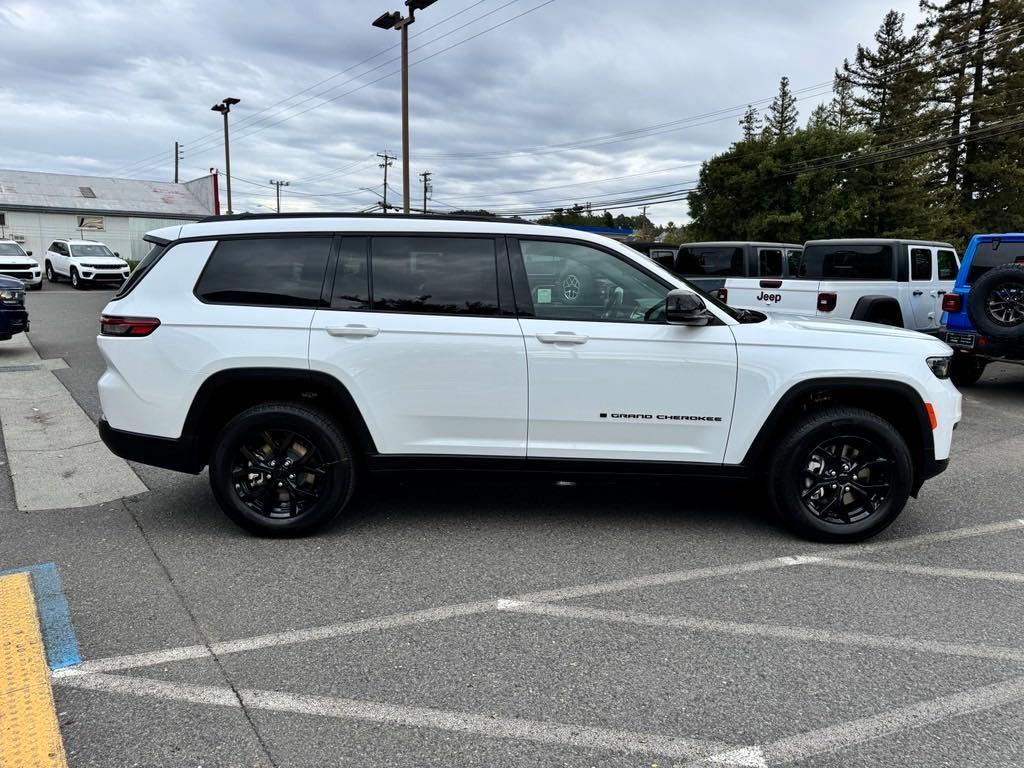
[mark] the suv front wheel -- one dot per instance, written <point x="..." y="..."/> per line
<point x="840" y="475"/>
<point x="282" y="469"/>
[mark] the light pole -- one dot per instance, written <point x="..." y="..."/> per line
<point x="395" y="20"/>
<point x="224" y="107"/>
<point x="278" y="185"/>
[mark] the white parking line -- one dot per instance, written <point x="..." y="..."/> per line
<point x="927" y="570"/>
<point x="803" y="634"/>
<point x="494" y="726"/>
<point x="441" y="613"/>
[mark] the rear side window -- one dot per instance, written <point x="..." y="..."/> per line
<point x="847" y="262"/>
<point x="920" y="264"/>
<point x="988" y="255"/>
<point x="793" y="260"/>
<point x="947" y="265"/>
<point x="434" y="275"/>
<point x="694" y="261"/>
<point x="769" y="262"/>
<point x="272" y="271"/>
<point x="140" y="270"/>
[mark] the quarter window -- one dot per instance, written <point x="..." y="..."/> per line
<point x="435" y="275"/>
<point x="277" y="271"/>
<point x="576" y="282"/>
<point x="920" y="264"/>
<point x="947" y="265"/>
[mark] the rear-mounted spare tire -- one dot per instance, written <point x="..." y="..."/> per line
<point x="995" y="304"/>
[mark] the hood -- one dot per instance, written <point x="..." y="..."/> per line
<point x="811" y="332"/>
<point x="27" y="261"/>
<point x="7" y="283"/>
<point x="108" y="260"/>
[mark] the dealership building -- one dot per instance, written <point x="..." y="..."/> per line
<point x="38" y="208"/>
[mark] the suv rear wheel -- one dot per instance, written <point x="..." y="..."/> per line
<point x="840" y="475"/>
<point x="282" y="469"/>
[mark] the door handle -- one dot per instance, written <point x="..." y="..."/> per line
<point x="941" y="293"/>
<point x="562" y="337"/>
<point x="358" y="331"/>
<point x="918" y="293"/>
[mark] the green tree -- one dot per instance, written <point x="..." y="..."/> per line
<point x="841" y="110"/>
<point x="780" y="121"/>
<point x="750" y="123"/>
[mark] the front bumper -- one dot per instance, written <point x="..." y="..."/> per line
<point x="12" y="321"/>
<point x="178" y="454"/>
<point x="104" y="276"/>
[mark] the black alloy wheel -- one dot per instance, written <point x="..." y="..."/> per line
<point x="279" y="473"/>
<point x="846" y="479"/>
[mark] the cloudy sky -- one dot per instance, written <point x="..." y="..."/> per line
<point x="516" y="105"/>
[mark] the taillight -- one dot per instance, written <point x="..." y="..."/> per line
<point x="722" y="294"/>
<point x="952" y="302"/>
<point x="113" y="325"/>
<point x="827" y="301"/>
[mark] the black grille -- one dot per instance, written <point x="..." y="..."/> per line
<point x="103" y="266"/>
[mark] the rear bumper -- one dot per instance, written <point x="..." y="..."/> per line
<point x="179" y="454"/>
<point x="989" y="349"/>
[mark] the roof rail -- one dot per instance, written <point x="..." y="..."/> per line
<point x="350" y="215"/>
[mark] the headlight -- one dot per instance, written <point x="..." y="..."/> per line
<point x="10" y="297"/>
<point x="939" y="366"/>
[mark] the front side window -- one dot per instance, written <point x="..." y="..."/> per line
<point x="576" y="282"/>
<point x="434" y="275"/>
<point x="847" y="262"/>
<point x="920" y="264"/>
<point x="769" y="262"/>
<point x="272" y="271"/>
<point x="91" y="250"/>
<point x="11" y="249"/>
<point x="721" y="261"/>
<point x="948" y="266"/>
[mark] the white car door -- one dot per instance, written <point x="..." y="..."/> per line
<point x="56" y="257"/>
<point x="431" y="354"/>
<point x="924" y="298"/>
<point x="606" y="383"/>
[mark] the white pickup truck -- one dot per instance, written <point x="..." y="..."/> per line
<point x="893" y="282"/>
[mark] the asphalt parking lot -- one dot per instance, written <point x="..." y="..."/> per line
<point x="531" y="624"/>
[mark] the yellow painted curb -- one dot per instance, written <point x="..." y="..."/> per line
<point x="29" y="732"/>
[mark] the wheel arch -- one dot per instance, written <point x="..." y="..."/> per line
<point x="898" y="403"/>
<point x="227" y="393"/>
<point x="868" y="307"/>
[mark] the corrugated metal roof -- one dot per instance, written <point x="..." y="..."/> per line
<point x="29" y="189"/>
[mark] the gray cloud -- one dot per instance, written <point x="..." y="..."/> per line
<point x="107" y="87"/>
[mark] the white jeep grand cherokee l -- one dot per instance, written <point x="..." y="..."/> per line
<point x="292" y="354"/>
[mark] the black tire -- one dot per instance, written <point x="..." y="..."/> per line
<point x="995" y="303"/>
<point x="51" y="276"/>
<point x="37" y="287"/>
<point x="243" y="478"/>
<point x="887" y="316"/>
<point x="76" y="281"/>
<point x="965" y="370"/>
<point x="871" y="485"/>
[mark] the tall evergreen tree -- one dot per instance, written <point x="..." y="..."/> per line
<point x="780" y="121"/>
<point x="841" y="110"/>
<point x="750" y="123"/>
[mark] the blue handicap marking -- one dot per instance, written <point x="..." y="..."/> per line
<point x="54" y="619"/>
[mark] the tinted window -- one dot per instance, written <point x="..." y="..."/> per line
<point x="769" y="262"/>
<point x="694" y="261"/>
<point x="576" y="282"/>
<point x="57" y="248"/>
<point x="352" y="278"/>
<point x="947" y="265"/>
<point x="988" y="255"/>
<point x="435" y="275"/>
<point x="920" y="264"/>
<point x="793" y="260"/>
<point x="855" y="262"/>
<point x="11" y="249"/>
<point x="83" y="251"/>
<point x="273" y="271"/>
<point x="140" y="270"/>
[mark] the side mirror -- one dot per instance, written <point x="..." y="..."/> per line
<point x="685" y="308"/>
<point x="28" y="253"/>
<point x="117" y="254"/>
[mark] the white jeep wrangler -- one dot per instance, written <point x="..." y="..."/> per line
<point x="292" y="354"/>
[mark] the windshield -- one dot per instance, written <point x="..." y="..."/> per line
<point x="91" y="250"/>
<point x="850" y="262"/>
<point x="11" y="249"/>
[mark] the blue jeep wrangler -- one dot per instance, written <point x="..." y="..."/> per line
<point x="984" y="313"/>
<point x="13" y="315"/>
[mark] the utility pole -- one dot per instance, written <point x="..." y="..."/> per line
<point x="278" y="185"/>
<point x="224" y="107"/>
<point x="177" y="160"/>
<point x="427" y="187"/>
<point x="385" y="164"/>
<point x="395" y="20"/>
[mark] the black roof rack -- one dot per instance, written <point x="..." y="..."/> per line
<point x="350" y="215"/>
